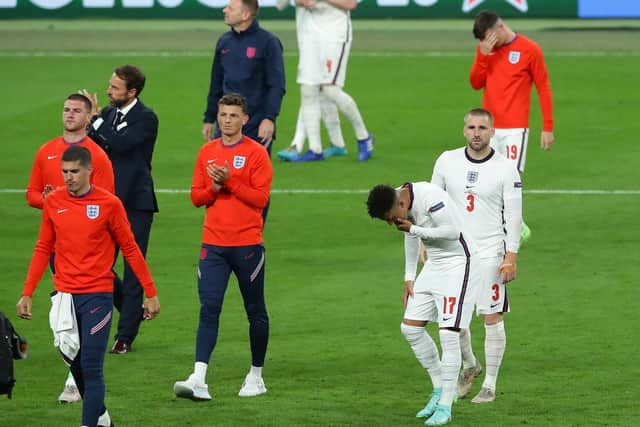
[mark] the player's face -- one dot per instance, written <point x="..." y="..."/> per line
<point x="231" y="119"/>
<point x="117" y="91"/>
<point x="75" y="115"/>
<point x="398" y="211"/>
<point x="76" y="177"/>
<point x="235" y="13"/>
<point x="478" y="132"/>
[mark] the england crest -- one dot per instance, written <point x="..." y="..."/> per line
<point x="238" y="161"/>
<point x="93" y="211"/>
<point x="514" y="57"/>
<point x="251" y="52"/>
<point x="472" y="176"/>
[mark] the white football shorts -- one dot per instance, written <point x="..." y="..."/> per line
<point x="445" y="296"/>
<point x="323" y="62"/>
<point x="512" y="143"/>
<point x="492" y="293"/>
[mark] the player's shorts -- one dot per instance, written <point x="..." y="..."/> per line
<point x="512" y="143"/>
<point x="445" y="296"/>
<point x="323" y="62"/>
<point x="492" y="293"/>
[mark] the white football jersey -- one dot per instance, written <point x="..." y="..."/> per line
<point x="438" y="223"/>
<point x="488" y="193"/>
<point x="325" y="23"/>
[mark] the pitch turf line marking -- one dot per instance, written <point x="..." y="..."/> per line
<point x="356" y="191"/>
<point x="208" y="54"/>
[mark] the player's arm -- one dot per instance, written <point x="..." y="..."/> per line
<point x="443" y="229"/>
<point x="437" y="178"/>
<point x="541" y="80"/>
<point x="478" y="73"/>
<point x="203" y="192"/>
<point x="275" y="90"/>
<point x="255" y="193"/>
<point x="215" y="93"/>
<point x="36" y="188"/>
<point x="41" y="254"/>
<point x="512" y="199"/>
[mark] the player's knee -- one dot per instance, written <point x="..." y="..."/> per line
<point x="410" y="332"/>
<point x="210" y="310"/>
<point x="332" y="91"/>
<point x="492" y="319"/>
<point x="257" y="313"/>
<point x="309" y="91"/>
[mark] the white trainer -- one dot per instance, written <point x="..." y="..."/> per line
<point x="104" y="420"/>
<point x="192" y="388"/>
<point x="485" y="395"/>
<point x="465" y="379"/>
<point x="252" y="386"/>
<point x="70" y="394"/>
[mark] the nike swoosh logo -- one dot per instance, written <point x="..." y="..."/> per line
<point x="211" y="161"/>
<point x="468" y="186"/>
<point x="223" y="51"/>
<point x="62" y="210"/>
<point x="51" y="157"/>
<point x="444" y="319"/>
<point x="494" y="305"/>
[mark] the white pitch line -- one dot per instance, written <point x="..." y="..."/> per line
<point x="362" y="191"/>
<point x="209" y="53"/>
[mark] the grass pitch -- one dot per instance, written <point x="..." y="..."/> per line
<point x="334" y="277"/>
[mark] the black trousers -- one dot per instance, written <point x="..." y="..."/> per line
<point x="128" y="293"/>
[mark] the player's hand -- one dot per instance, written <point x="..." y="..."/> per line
<point x="219" y="174"/>
<point x="546" y="140"/>
<point x="408" y="292"/>
<point x="207" y="131"/>
<point x="95" y="106"/>
<point x="151" y="308"/>
<point x="488" y="42"/>
<point x="265" y="132"/>
<point x="47" y="189"/>
<point x="508" y="268"/>
<point x="402" y="224"/>
<point x="24" y="307"/>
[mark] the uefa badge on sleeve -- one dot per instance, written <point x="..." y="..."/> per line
<point x="514" y="57"/>
<point x="93" y="211"/>
<point x="238" y="161"/>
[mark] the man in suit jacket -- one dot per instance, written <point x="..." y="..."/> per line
<point x="127" y="131"/>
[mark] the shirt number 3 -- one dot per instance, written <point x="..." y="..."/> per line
<point x="471" y="202"/>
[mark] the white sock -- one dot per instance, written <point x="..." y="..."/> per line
<point x="451" y="361"/>
<point x="300" y="135"/>
<point x="348" y="106"/>
<point x="256" y="371"/>
<point x="70" y="380"/>
<point x="495" y="342"/>
<point x="200" y="371"/>
<point x="425" y="350"/>
<point x="468" y="358"/>
<point x="331" y="119"/>
<point x="310" y="111"/>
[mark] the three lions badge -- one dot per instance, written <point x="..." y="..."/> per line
<point x="93" y="211"/>
<point x="514" y="57"/>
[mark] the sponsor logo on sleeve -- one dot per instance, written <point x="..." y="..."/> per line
<point x="93" y="211"/>
<point x="517" y="185"/>
<point x="436" y="207"/>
